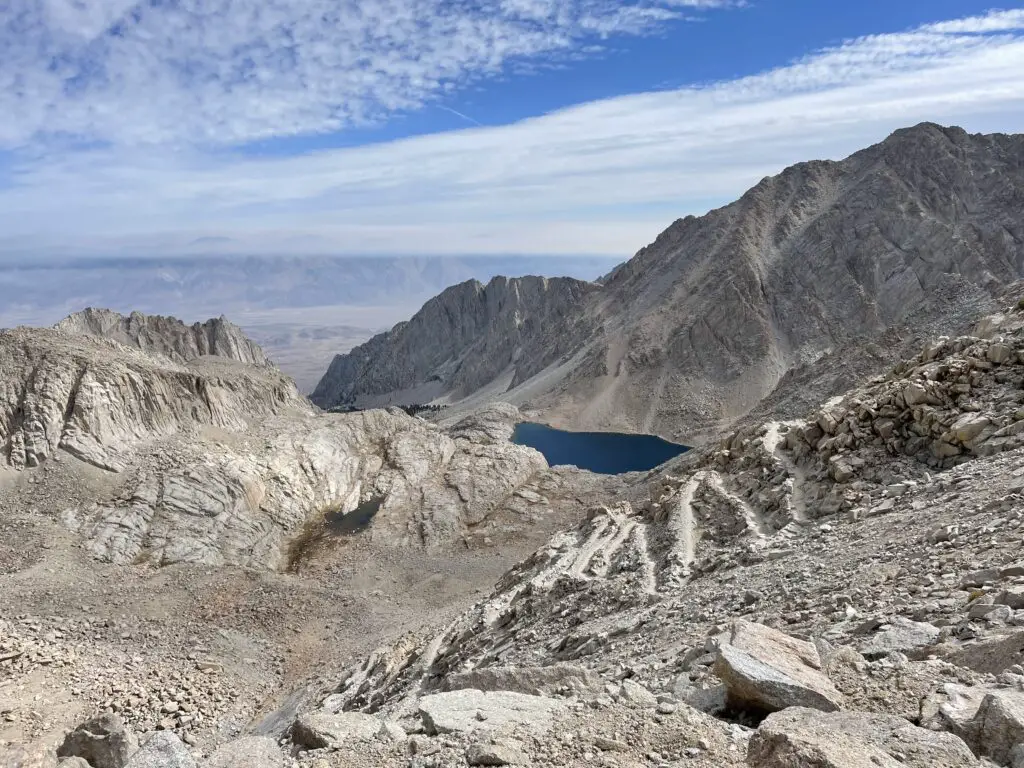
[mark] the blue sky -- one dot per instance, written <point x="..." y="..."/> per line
<point x="444" y="126"/>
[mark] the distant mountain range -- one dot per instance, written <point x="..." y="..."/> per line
<point x="197" y="287"/>
<point x="303" y="310"/>
<point x="853" y="260"/>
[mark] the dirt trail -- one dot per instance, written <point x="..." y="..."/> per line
<point x="772" y="442"/>
<point x="682" y="521"/>
<point x="755" y="520"/>
<point x="648" y="568"/>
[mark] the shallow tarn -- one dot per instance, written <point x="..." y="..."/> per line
<point x="346" y="523"/>
<point x="607" y="453"/>
<point x="334" y="527"/>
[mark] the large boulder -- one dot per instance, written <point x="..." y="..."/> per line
<point x="315" y="730"/>
<point x="912" y="638"/>
<point x="990" y="720"/>
<point x="162" y="750"/>
<point x="999" y="725"/>
<point x="537" y="681"/>
<point x="102" y="741"/>
<point x="765" y="670"/>
<point x="470" y="710"/>
<point x="808" y="738"/>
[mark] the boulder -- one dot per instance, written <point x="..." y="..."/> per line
<point x="991" y="655"/>
<point x="34" y="756"/>
<point x="162" y="750"/>
<point x="635" y="695"/>
<point x="990" y="720"/>
<point x="912" y="638"/>
<point x="806" y="738"/>
<point x="537" y="681"/>
<point x="248" y="752"/>
<point x="470" y="710"/>
<point x="969" y="426"/>
<point x="765" y="670"/>
<point x="839" y="469"/>
<point x="914" y="394"/>
<point x="392" y="731"/>
<point x="953" y="708"/>
<point x="102" y="741"/>
<point x="496" y="752"/>
<point x="1000" y="353"/>
<point x="1011" y="570"/>
<point x="315" y="730"/>
<point x="1013" y="597"/>
<point x="998" y="726"/>
<point x="979" y="578"/>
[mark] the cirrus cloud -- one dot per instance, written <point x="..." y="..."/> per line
<point x="231" y="71"/>
<point x="601" y="177"/>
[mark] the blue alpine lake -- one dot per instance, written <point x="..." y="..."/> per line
<point x="607" y="453"/>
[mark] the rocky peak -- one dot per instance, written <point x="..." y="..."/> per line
<point x="167" y="336"/>
<point x="459" y="341"/>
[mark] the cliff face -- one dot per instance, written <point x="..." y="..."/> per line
<point x="100" y="401"/>
<point x="167" y="336"/>
<point x="691" y="334"/>
<point x="463" y="339"/>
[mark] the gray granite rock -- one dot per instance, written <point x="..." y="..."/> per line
<point x="766" y="670"/>
<point x="162" y="750"/>
<point x="469" y="711"/>
<point x="798" y="738"/>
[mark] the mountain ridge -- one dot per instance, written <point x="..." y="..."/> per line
<point x="459" y="341"/>
<point x="690" y="334"/>
<point x="168" y="336"/>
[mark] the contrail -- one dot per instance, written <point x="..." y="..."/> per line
<point x="459" y="114"/>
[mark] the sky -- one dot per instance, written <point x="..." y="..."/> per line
<point x="433" y="127"/>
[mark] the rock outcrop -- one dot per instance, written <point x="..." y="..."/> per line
<point x="222" y="462"/>
<point x="918" y="233"/>
<point x="99" y="400"/>
<point x="167" y="336"/>
<point x="259" y="501"/>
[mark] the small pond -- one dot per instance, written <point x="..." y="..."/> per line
<point x="607" y="453"/>
<point x="347" y="523"/>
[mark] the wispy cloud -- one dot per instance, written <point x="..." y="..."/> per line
<point x="602" y="177"/>
<point x="229" y="71"/>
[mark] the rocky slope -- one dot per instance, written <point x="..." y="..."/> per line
<point x="840" y="590"/>
<point x="919" y="231"/>
<point x="167" y="336"/>
<point x="182" y="541"/>
<point x="462" y="340"/>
